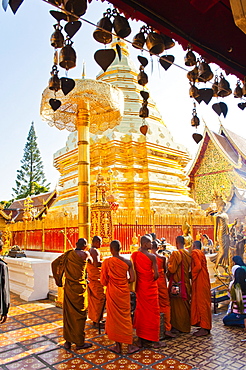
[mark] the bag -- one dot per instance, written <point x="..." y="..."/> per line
<point x="175" y="290"/>
<point x="178" y="290"/>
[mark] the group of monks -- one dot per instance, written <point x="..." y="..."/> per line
<point x="145" y="273"/>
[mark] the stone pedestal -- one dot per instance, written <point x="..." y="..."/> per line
<point x="29" y="277"/>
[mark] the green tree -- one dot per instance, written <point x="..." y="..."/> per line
<point x="30" y="178"/>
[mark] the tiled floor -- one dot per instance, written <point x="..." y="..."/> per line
<point x="32" y="339"/>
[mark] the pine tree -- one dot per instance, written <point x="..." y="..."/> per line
<point x="30" y="178"/>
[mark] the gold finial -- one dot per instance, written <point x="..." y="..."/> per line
<point x="83" y="71"/>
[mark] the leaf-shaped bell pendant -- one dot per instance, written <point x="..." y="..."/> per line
<point x="67" y="57"/>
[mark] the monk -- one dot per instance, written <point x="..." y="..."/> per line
<point x="96" y="296"/>
<point x="178" y="270"/>
<point x="73" y="264"/>
<point x="201" y="296"/>
<point x="147" y="313"/>
<point x="114" y="275"/>
<point x="164" y="301"/>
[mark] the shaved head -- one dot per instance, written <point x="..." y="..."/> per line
<point x="115" y="245"/>
<point x="146" y="241"/>
<point x="81" y="243"/>
<point x="197" y="244"/>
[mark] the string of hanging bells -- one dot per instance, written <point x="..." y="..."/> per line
<point x="156" y="43"/>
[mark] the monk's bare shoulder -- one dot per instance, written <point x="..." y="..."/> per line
<point x="127" y="261"/>
<point x="151" y="256"/>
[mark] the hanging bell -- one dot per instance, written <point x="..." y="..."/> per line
<point x="190" y="59"/>
<point x="215" y="87"/>
<point x="77" y="7"/>
<point x="155" y="43"/>
<point x="57" y="38"/>
<point x="204" y="72"/>
<point x="121" y="26"/>
<point x="195" y="120"/>
<point x="238" y="92"/>
<point x="224" y="87"/>
<point x="142" y="77"/>
<point x="168" y="42"/>
<point x="139" y="40"/>
<point x="103" y="31"/>
<point x="54" y="81"/>
<point x="193" y="75"/>
<point x="67" y="57"/>
<point x="193" y="91"/>
<point x="244" y="86"/>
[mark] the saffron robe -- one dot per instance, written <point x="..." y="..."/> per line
<point x="164" y="301"/>
<point x="180" y="309"/>
<point x="4" y="289"/>
<point x="201" y="294"/>
<point x="118" y="322"/>
<point x="75" y="295"/>
<point x="147" y="313"/>
<point x="96" y="296"/>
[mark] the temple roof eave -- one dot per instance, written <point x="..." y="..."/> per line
<point x="210" y="135"/>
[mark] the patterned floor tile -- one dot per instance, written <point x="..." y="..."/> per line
<point x="28" y="363"/>
<point x="171" y="364"/>
<point x="11" y="326"/>
<point x="103" y="340"/>
<point x="76" y="363"/>
<point x="55" y="356"/>
<point x="10" y="353"/>
<point x="121" y="364"/>
<point x="147" y="356"/>
<point x="43" y="346"/>
<point x="101" y="356"/>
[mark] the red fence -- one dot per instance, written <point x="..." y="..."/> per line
<point x="54" y="239"/>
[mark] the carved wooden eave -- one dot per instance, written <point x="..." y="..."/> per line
<point x="46" y="204"/>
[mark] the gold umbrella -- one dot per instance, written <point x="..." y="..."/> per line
<point x="92" y="106"/>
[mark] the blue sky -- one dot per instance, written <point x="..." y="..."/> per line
<point x="26" y="61"/>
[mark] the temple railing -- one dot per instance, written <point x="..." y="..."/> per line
<point x="58" y="234"/>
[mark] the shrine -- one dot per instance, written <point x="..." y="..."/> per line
<point x="220" y="165"/>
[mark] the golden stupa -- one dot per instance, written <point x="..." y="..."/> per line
<point x="143" y="172"/>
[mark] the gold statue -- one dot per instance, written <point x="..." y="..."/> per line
<point x="187" y="236"/>
<point x="222" y="238"/>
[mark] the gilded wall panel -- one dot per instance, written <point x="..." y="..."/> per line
<point x="213" y="161"/>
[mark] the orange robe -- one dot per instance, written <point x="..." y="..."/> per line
<point x="164" y="301"/>
<point x="118" y="322"/>
<point x="147" y="313"/>
<point x="201" y="294"/>
<point x="180" y="309"/>
<point x="75" y="295"/>
<point x="96" y="296"/>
